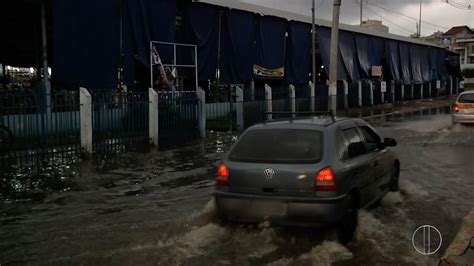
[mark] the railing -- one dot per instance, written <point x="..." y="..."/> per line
<point x="60" y="127"/>
<point x="119" y="121"/>
<point x="41" y="130"/>
<point x="178" y="118"/>
<point x="277" y="103"/>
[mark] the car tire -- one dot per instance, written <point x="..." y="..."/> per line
<point x="348" y="223"/>
<point x="394" y="180"/>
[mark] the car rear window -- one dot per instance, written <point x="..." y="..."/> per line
<point x="278" y="146"/>
<point x="466" y="98"/>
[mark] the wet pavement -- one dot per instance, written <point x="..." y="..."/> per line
<point x="156" y="208"/>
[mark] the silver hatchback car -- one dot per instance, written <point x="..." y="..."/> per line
<point x="463" y="108"/>
<point x="306" y="172"/>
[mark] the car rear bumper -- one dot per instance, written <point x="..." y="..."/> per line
<point x="292" y="211"/>
<point x="463" y="118"/>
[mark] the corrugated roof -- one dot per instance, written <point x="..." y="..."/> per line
<point x="457" y="29"/>
<point x="268" y="11"/>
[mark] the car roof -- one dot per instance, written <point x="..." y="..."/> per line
<point x="466" y="92"/>
<point x="312" y="122"/>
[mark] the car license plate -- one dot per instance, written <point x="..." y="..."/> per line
<point x="469" y="111"/>
<point x="269" y="208"/>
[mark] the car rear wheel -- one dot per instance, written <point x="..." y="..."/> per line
<point x="394" y="186"/>
<point x="348" y="224"/>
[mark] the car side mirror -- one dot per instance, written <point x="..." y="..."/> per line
<point x="389" y="142"/>
<point x="355" y="149"/>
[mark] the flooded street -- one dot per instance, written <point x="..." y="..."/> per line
<point x="157" y="209"/>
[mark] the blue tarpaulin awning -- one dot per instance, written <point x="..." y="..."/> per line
<point x="323" y="35"/>
<point x="348" y="51"/>
<point x="270" y="41"/>
<point x="405" y="62"/>
<point x="415" y="58"/>
<point x="298" y="53"/>
<point x="202" y="23"/>
<point x="86" y="41"/>
<point x="425" y="62"/>
<point x="369" y="52"/>
<point x="393" y="60"/>
<point x="238" y="46"/>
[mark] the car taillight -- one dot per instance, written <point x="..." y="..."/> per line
<point x="222" y="177"/>
<point x="325" y="180"/>
<point x="456" y="108"/>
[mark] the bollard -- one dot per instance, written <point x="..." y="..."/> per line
<point x="383" y="90"/>
<point x="430" y="95"/>
<point x="422" y="90"/>
<point x="392" y="90"/>
<point x="346" y="94"/>
<point x="85" y="116"/>
<point x="403" y="92"/>
<point x="456" y="91"/>
<point x="202" y="112"/>
<point x="359" y="93"/>
<point x="292" y="96"/>
<point x="371" y="92"/>
<point x="252" y="90"/>
<point x="153" y="118"/>
<point x="268" y="99"/>
<point x="239" y="108"/>
<point x="450" y="85"/>
<point x="312" y="94"/>
<point x="412" y="92"/>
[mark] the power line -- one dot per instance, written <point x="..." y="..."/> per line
<point x="458" y="5"/>
<point x="409" y="17"/>
<point x="391" y="23"/>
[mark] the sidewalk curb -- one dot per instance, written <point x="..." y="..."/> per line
<point x="461" y="249"/>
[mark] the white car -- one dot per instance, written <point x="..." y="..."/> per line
<point x="463" y="108"/>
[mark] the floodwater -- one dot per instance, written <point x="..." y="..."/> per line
<point x="157" y="209"/>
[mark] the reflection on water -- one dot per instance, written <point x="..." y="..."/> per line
<point x="30" y="183"/>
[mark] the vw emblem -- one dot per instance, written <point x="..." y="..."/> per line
<point x="269" y="173"/>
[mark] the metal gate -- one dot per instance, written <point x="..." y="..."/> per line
<point x="39" y="128"/>
<point x="178" y="117"/>
<point x="221" y="108"/>
<point x="119" y="121"/>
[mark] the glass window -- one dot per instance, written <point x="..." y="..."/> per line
<point x="353" y="140"/>
<point x="278" y="146"/>
<point x="371" y="138"/>
<point x="341" y="146"/>
<point x="466" y="98"/>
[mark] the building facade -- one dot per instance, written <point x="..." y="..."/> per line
<point x="374" y="25"/>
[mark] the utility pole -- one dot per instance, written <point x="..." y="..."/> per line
<point x="313" y="43"/>
<point x="333" y="56"/>
<point x="419" y="21"/>
<point x="45" y="46"/>
<point x="361" y="12"/>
